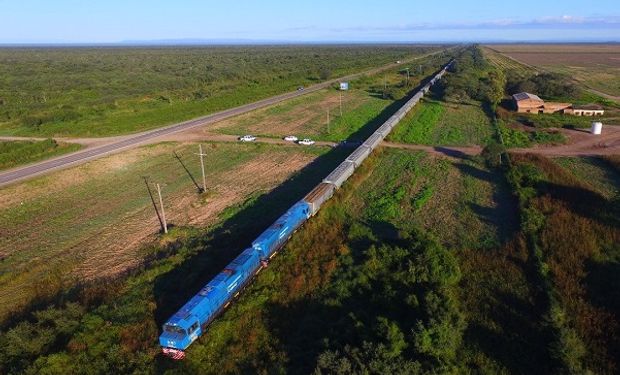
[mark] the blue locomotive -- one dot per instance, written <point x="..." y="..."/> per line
<point x="191" y="321"/>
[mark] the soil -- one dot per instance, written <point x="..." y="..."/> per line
<point x="110" y="253"/>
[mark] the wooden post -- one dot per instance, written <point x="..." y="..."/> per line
<point x="328" y="121"/>
<point x="384" y="86"/>
<point x="163" y="213"/>
<point x="202" y="166"/>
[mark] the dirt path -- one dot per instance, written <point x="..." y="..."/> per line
<point x="451" y="152"/>
<point x="202" y="135"/>
<point x="585" y="144"/>
<point x="604" y="95"/>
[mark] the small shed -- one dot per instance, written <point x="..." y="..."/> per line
<point x="588" y="110"/>
<point x="527" y="103"/>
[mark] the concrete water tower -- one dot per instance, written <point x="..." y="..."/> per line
<point x="597" y="128"/>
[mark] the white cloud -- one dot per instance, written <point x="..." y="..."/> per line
<point x="549" y="22"/>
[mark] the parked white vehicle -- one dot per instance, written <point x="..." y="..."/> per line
<point x="290" y="138"/>
<point x="247" y="138"/>
<point x="306" y="142"/>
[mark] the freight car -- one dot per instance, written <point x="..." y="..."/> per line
<point x="191" y="321"/>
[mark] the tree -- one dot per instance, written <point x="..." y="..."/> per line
<point x="325" y="74"/>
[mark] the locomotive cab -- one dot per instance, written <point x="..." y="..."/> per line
<point x="178" y="335"/>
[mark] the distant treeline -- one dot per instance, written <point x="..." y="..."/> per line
<point x="104" y="91"/>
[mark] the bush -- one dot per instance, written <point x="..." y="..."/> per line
<point x="546" y="85"/>
<point x="492" y="153"/>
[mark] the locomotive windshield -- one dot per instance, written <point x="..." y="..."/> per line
<point x="174" y="329"/>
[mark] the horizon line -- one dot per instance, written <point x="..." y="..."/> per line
<point x="265" y="42"/>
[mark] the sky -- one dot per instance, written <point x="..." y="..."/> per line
<point x="114" y="21"/>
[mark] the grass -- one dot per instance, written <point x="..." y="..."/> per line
<point x="523" y="139"/>
<point x="596" y="173"/>
<point x="358" y="246"/>
<point x="16" y="153"/>
<point x="104" y="206"/>
<point x="363" y="109"/>
<point x="111" y="91"/>
<point x="55" y="216"/>
<point x="439" y="123"/>
<point x="572" y="231"/>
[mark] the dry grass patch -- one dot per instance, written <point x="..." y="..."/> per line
<point x="93" y="220"/>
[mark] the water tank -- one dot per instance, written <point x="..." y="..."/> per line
<point x="597" y="128"/>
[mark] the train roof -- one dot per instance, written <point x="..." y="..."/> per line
<point x="213" y="290"/>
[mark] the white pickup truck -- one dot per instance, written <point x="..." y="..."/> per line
<point x="306" y="142"/>
<point x="247" y="138"/>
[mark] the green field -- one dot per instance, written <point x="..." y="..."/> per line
<point x="406" y="243"/>
<point x="512" y="137"/>
<point x="364" y="108"/>
<point x="439" y="123"/>
<point x="16" y="153"/>
<point x="110" y="91"/>
<point x="458" y="112"/>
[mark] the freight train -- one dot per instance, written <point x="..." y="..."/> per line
<point x="191" y="321"/>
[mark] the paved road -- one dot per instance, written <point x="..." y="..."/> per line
<point x="22" y="173"/>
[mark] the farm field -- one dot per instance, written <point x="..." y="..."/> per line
<point x="356" y="247"/>
<point x="504" y="62"/>
<point x="363" y="108"/>
<point x="16" y="153"/>
<point x="597" y="66"/>
<point x="94" y="220"/>
<point x="82" y="208"/>
<point x="441" y="123"/>
<point x="91" y="92"/>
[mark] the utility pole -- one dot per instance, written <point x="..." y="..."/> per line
<point x="340" y="103"/>
<point x="384" y="86"/>
<point x="202" y="166"/>
<point x="328" y="120"/>
<point x="163" y="213"/>
<point x="407" y="77"/>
